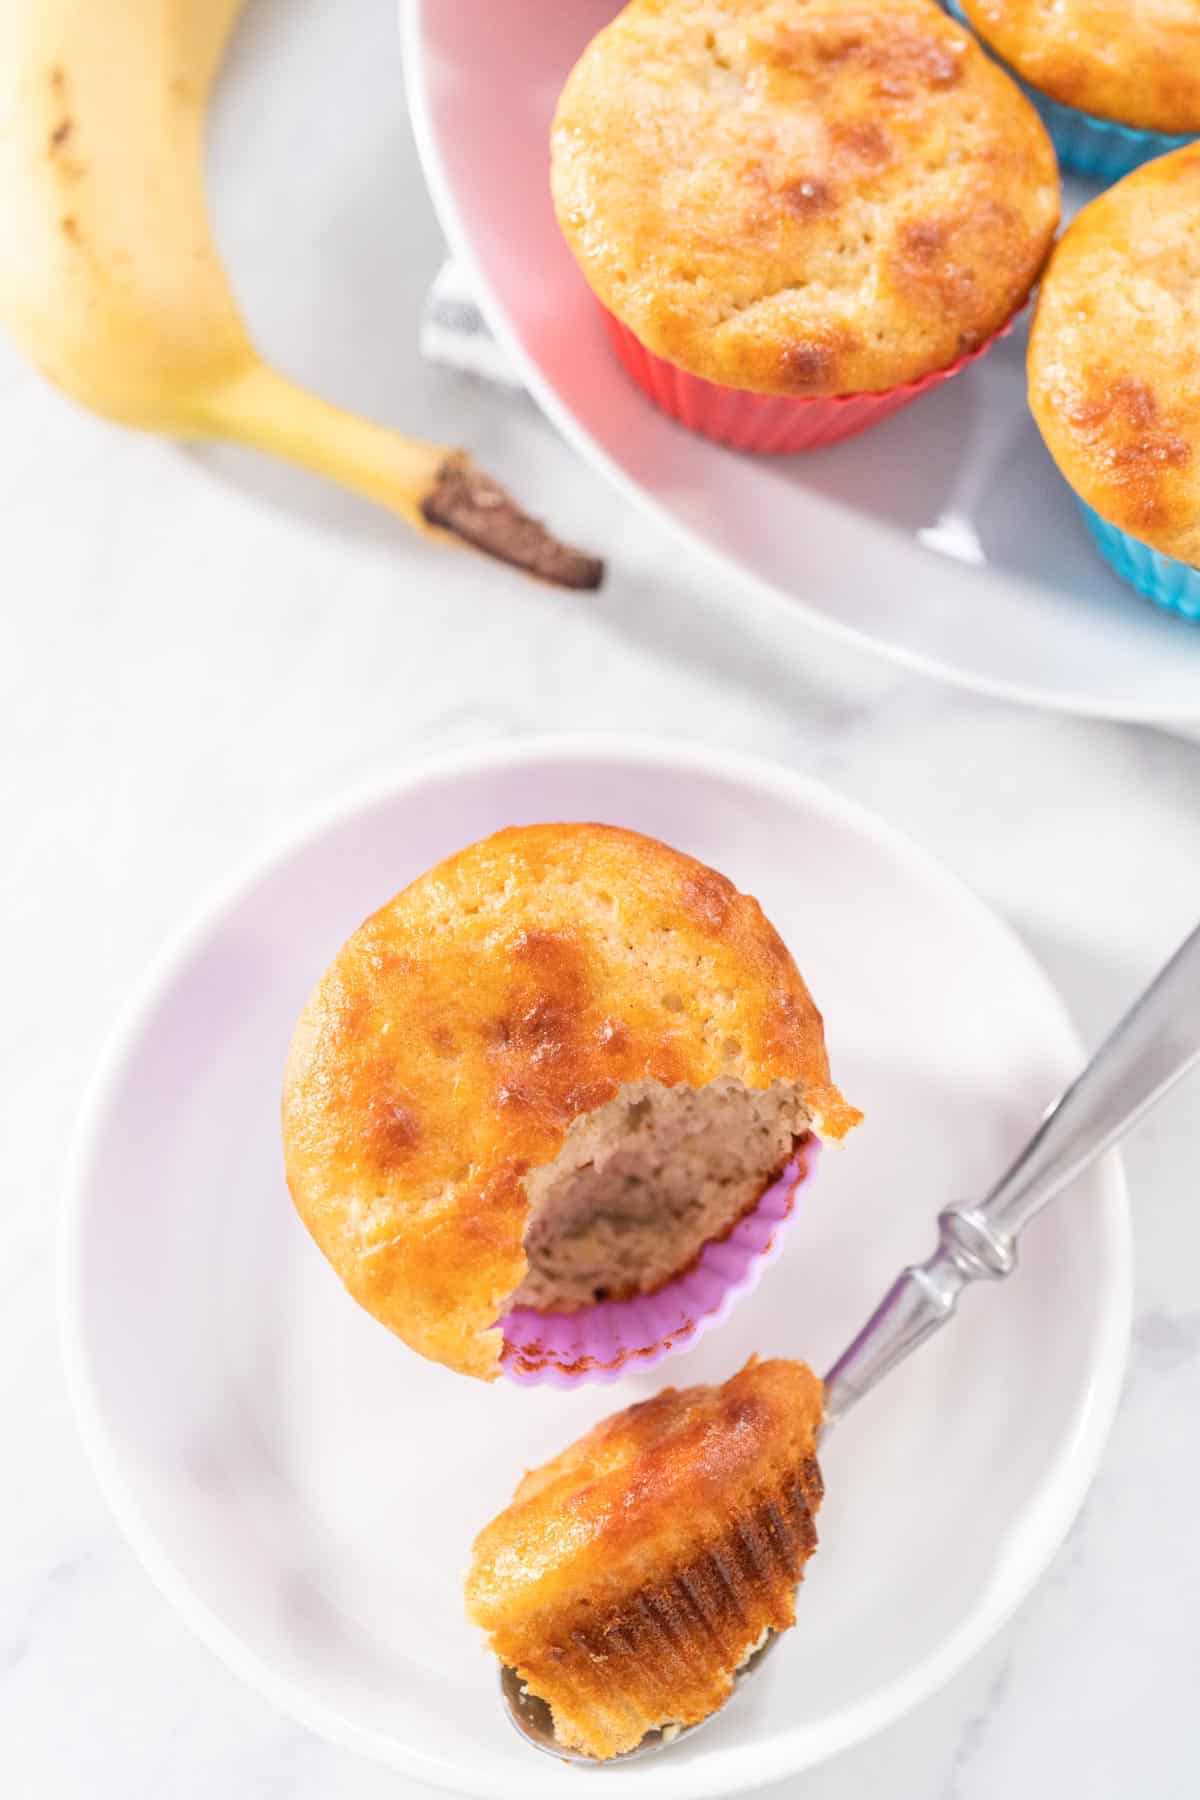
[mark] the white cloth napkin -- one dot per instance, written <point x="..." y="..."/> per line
<point x="455" y="332"/>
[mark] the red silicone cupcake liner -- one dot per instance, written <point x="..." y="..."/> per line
<point x="769" y="424"/>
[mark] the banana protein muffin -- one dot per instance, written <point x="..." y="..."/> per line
<point x="1114" y="373"/>
<point x="796" y="199"/>
<point x="1116" y="83"/>
<point x="1137" y="64"/>
<point x="633" y="1575"/>
<point x="546" y="1075"/>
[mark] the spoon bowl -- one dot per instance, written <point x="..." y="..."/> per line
<point x="531" y="1716"/>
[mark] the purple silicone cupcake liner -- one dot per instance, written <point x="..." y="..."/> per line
<point x="616" y="1337"/>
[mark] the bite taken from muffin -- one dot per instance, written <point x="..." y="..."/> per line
<point x="635" y="1574"/>
<point x="798" y="214"/>
<point x="556" y="1085"/>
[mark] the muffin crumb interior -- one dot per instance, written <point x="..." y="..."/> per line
<point x="644" y="1182"/>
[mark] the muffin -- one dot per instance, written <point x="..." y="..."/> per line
<point x="798" y="215"/>
<point x="1114" y="374"/>
<point x="544" y="1083"/>
<point x="1117" y="83"/>
<point x="633" y="1576"/>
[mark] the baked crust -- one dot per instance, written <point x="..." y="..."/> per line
<point x="631" y="1576"/>
<point x="463" y="1027"/>
<point x="802" y="196"/>
<point x="1114" y="355"/>
<point x="1135" y="61"/>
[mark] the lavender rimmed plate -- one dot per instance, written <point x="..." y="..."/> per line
<point x="305" y="1489"/>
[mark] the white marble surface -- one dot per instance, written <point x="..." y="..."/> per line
<point x="197" y="649"/>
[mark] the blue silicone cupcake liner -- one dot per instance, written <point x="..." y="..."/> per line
<point x="1099" y="148"/>
<point x="1169" y="583"/>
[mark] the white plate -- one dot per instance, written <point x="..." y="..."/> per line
<point x="306" y="1489"/>
<point x="945" y="539"/>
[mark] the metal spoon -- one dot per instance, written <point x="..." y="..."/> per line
<point x="1156" y="1042"/>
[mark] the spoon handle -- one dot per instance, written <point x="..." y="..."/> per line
<point x="1154" y="1044"/>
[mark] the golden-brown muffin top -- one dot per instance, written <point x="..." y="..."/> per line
<point x="633" y="1574"/>
<point x="464" y="1026"/>
<point x="1136" y="61"/>
<point x="1114" y="355"/>
<point x="637" y="1494"/>
<point x="802" y="196"/>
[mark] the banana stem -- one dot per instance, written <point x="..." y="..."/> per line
<point x="264" y="409"/>
<point x="433" y="488"/>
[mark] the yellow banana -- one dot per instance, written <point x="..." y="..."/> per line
<point x="111" y="283"/>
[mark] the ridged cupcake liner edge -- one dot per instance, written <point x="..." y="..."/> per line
<point x="771" y="424"/>
<point x="1169" y="583"/>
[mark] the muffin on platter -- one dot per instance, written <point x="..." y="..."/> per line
<point x="1117" y="83"/>
<point x="1114" y="374"/>
<point x="798" y="216"/>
